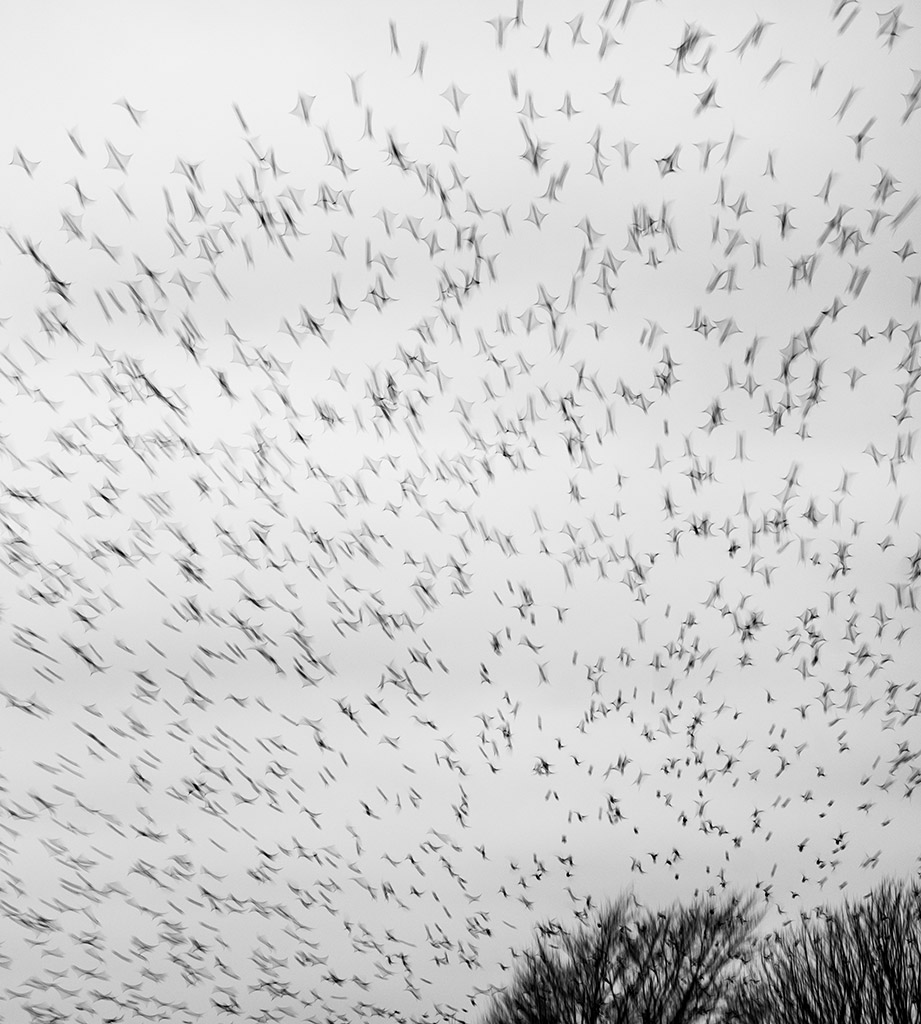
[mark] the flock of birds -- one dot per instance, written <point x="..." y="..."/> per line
<point x="414" y="533"/>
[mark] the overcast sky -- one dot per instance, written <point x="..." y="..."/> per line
<point x="456" y="463"/>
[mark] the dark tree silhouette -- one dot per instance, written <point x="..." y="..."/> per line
<point x="633" y="966"/>
<point x="856" y="964"/>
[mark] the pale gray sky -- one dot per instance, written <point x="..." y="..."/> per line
<point x="635" y="603"/>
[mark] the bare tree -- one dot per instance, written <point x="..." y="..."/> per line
<point x="629" y="966"/>
<point x="857" y="964"/>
